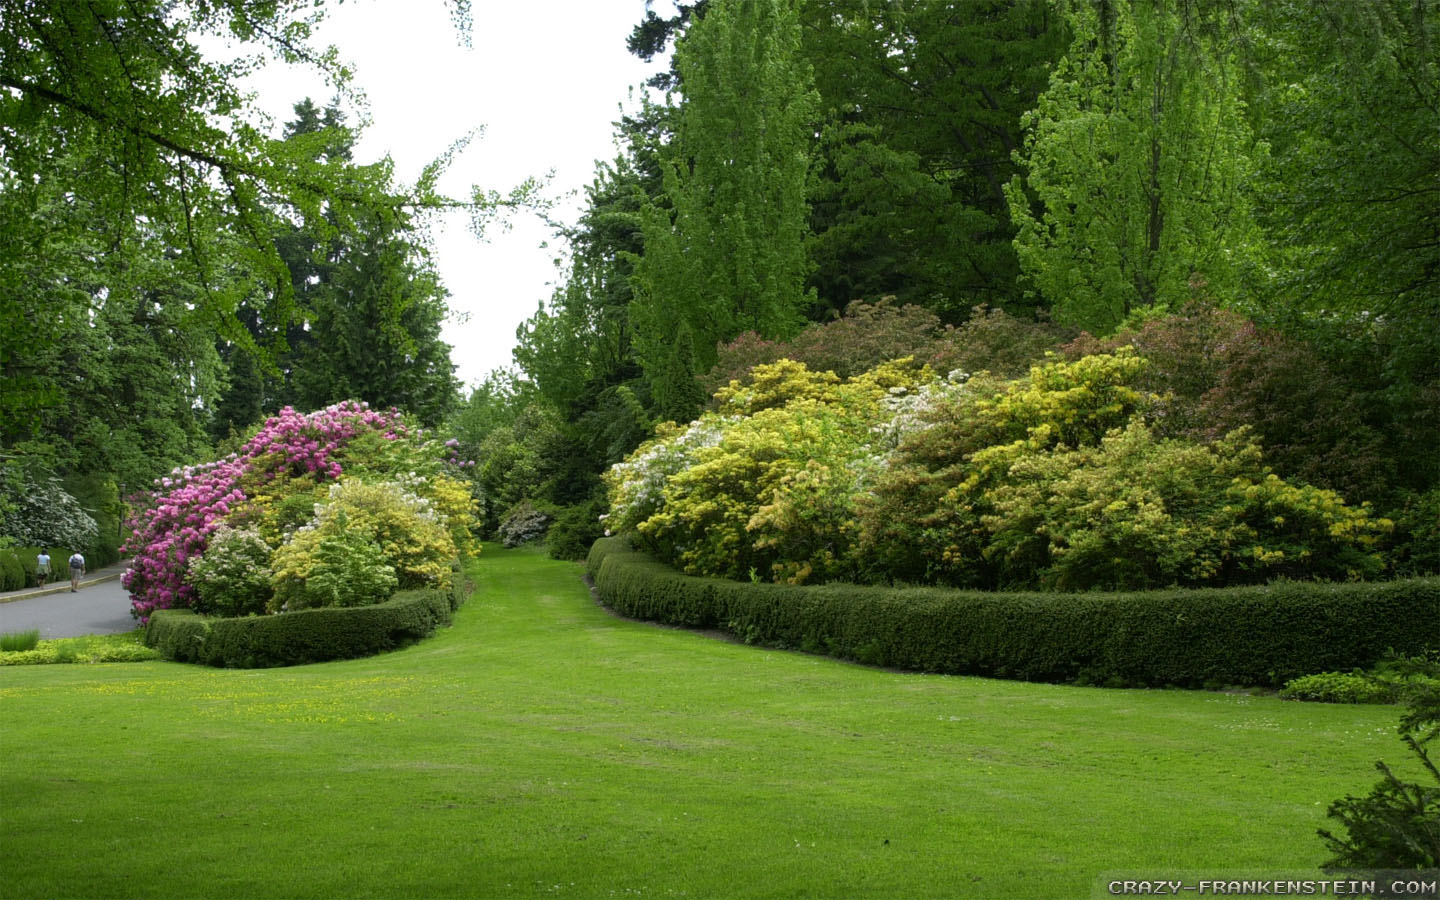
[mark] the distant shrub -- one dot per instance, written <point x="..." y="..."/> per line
<point x="575" y="528"/>
<point x="522" y="523"/>
<point x="863" y="338"/>
<point x="1338" y="687"/>
<point x="995" y="342"/>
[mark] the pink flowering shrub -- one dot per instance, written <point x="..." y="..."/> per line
<point x="292" y="458"/>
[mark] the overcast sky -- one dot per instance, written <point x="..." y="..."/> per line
<point x="545" y="80"/>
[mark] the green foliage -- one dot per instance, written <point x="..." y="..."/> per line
<point x="232" y="577"/>
<point x="575" y="529"/>
<point x="92" y="648"/>
<point x="727" y="253"/>
<point x="363" y="542"/>
<point x="956" y="443"/>
<point x="1135" y="512"/>
<point x="1262" y="635"/>
<point x="864" y="337"/>
<point x="1134" y="166"/>
<point x="11" y="642"/>
<point x="776" y="491"/>
<point x="1348" y="107"/>
<point x="1338" y="687"/>
<point x="1397" y="825"/>
<point x="295" y="638"/>
<point x="923" y="103"/>
<point x="12" y="573"/>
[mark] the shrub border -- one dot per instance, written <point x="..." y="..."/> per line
<point x="1212" y="637"/>
<point x="303" y="636"/>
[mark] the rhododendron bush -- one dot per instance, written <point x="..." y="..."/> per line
<point x="1062" y="479"/>
<point x="387" y="475"/>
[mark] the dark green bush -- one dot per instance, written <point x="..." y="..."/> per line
<point x="304" y="636"/>
<point x="1257" y="635"/>
<point x="12" y="572"/>
<point x="1338" y="687"/>
<point x="575" y="528"/>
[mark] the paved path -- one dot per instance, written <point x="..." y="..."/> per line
<point x="101" y="606"/>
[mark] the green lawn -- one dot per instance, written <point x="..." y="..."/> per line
<point x="541" y="746"/>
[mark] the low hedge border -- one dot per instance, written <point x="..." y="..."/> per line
<point x="304" y="636"/>
<point x="1248" y="636"/>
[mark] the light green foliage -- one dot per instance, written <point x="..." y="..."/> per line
<point x="1135" y="512"/>
<point x="232" y="577"/>
<point x="957" y="441"/>
<point x="728" y="254"/>
<point x="775" y="384"/>
<point x="1056" y="481"/>
<point x="1339" y="687"/>
<point x="1134" y="166"/>
<point x="776" y="491"/>
<point x="364" y="541"/>
<point x="335" y="566"/>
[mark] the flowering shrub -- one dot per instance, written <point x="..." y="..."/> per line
<point x="1136" y="513"/>
<point x="334" y="566"/>
<point x="36" y="511"/>
<point x="400" y="529"/>
<point x="232" y="578"/>
<point x="1055" y="480"/>
<point x="523" y="523"/>
<point x="773" y="497"/>
<point x="274" y="483"/>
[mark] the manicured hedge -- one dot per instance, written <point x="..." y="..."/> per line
<point x="1257" y="635"/>
<point x="305" y="636"/>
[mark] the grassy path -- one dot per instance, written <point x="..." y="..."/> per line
<point x="541" y="746"/>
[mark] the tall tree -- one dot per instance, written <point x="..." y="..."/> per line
<point x="1350" y="105"/>
<point x="923" y="103"/>
<point x="1135" y="166"/>
<point x="728" y="253"/>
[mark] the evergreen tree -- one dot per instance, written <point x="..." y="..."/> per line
<point x="728" y="253"/>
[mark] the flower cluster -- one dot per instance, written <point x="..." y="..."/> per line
<point x="293" y="455"/>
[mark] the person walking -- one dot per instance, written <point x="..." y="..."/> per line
<point x="42" y="567"/>
<point x="77" y="568"/>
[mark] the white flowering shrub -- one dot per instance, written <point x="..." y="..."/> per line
<point x="233" y="577"/>
<point x="637" y="485"/>
<point x="35" y="511"/>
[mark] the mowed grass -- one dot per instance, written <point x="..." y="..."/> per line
<point x="544" y="747"/>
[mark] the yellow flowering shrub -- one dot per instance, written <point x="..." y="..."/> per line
<point x="395" y="528"/>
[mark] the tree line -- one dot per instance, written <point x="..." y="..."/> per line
<point x="1087" y="166"/>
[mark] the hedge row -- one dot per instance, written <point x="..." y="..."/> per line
<point x="1256" y="635"/>
<point x="304" y="636"/>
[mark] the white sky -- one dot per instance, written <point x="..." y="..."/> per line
<point x="546" y="80"/>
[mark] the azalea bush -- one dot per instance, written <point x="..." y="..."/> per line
<point x="767" y="488"/>
<point x="284" y="478"/>
<point x="1068" y="478"/>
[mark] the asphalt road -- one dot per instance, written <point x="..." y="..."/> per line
<point x="101" y="606"/>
